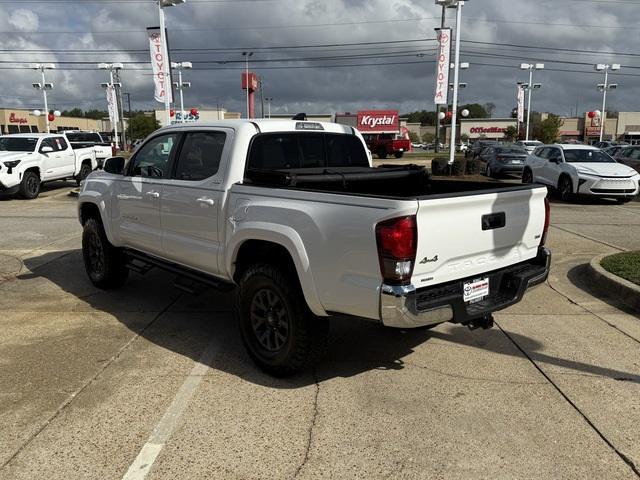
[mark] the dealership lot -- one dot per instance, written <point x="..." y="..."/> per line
<point x="147" y="379"/>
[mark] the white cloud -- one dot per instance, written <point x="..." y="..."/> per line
<point x="24" y="20"/>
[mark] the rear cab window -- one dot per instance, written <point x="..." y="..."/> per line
<point x="292" y="150"/>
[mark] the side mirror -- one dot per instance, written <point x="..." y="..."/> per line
<point x="114" y="165"/>
<point x="46" y="149"/>
<point x="555" y="160"/>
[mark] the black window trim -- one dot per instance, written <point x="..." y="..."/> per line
<point x="172" y="157"/>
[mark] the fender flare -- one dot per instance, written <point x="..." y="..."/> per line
<point x="95" y="199"/>
<point x="286" y="237"/>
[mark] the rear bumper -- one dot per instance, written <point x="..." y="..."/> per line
<point x="408" y="307"/>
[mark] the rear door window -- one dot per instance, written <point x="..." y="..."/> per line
<point x="200" y="155"/>
<point x="345" y="150"/>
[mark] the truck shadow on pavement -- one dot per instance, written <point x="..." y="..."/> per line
<point x="186" y="325"/>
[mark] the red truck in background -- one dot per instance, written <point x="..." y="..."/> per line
<point x="381" y="132"/>
<point x="386" y="144"/>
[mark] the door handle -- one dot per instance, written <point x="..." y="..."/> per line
<point x="206" y="201"/>
<point x="128" y="197"/>
<point x="153" y="194"/>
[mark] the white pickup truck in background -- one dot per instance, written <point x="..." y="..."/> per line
<point x="82" y="139"/>
<point x="293" y="214"/>
<point x="27" y="160"/>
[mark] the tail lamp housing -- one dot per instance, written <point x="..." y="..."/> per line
<point x="397" y="241"/>
<point x="547" y="221"/>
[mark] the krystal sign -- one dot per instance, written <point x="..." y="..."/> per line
<point x="379" y="121"/>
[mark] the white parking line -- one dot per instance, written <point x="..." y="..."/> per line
<point x="143" y="463"/>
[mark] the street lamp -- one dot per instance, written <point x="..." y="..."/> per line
<point x="604" y="87"/>
<point x="530" y="87"/>
<point x="246" y="56"/>
<point x="180" y="85"/>
<point x="44" y="86"/>
<point x="114" y="113"/>
<point x="457" y="4"/>
<point x="165" y="54"/>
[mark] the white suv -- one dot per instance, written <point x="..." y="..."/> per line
<point x="581" y="170"/>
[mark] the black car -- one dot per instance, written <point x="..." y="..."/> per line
<point x="500" y="159"/>
<point x="630" y="156"/>
<point x="614" y="149"/>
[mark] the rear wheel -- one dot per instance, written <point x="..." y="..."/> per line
<point x="489" y="172"/>
<point x="280" y="333"/>
<point x="565" y="189"/>
<point x="85" y="170"/>
<point x="398" y="154"/>
<point x="382" y="154"/>
<point x="30" y="185"/>
<point x="105" y="264"/>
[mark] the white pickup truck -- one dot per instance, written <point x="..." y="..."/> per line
<point x="82" y="139"/>
<point x="27" y="160"/>
<point x="293" y="215"/>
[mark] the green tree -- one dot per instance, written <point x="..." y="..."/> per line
<point x="548" y="131"/>
<point x="96" y="114"/>
<point x="74" y="112"/>
<point x="490" y="108"/>
<point x="142" y="125"/>
<point x="428" y="137"/>
<point x="511" y="133"/>
<point x="422" y="117"/>
<point x="464" y="138"/>
<point x="475" y="110"/>
<point x="413" y="136"/>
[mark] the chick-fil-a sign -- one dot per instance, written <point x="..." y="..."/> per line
<point x="160" y="65"/>
<point x="19" y="120"/>
<point x="442" y="66"/>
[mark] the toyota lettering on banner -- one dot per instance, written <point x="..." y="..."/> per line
<point x="443" y="66"/>
<point x="380" y="121"/>
<point x="114" y="116"/>
<point x="520" y="104"/>
<point x="160" y="65"/>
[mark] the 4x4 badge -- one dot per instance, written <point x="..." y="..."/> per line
<point x="429" y="260"/>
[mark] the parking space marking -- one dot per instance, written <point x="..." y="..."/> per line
<point x="147" y="456"/>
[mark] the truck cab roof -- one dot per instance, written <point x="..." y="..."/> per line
<point x="264" y="125"/>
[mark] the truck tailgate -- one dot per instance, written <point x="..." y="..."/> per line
<point x="467" y="235"/>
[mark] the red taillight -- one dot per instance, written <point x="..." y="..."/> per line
<point x="547" y="221"/>
<point x="397" y="242"/>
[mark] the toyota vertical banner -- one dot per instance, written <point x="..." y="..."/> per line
<point x="114" y="116"/>
<point x="520" y="104"/>
<point x="160" y="65"/>
<point x="443" y="65"/>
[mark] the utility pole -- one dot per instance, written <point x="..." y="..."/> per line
<point x="604" y="87"/>
<point x="118" y="87"/>
<point x="44" y="86"/>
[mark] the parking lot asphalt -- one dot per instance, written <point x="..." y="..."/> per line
<point x="150" y="381"/>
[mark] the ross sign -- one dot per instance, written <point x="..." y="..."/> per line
<point x="160" y="65"/>
<point x="114" y="115"/>
<point x="520" y="104"/>
<point x="18" y="120"/>
<point x="379" y="121"/>
<point x="442" y="66"/>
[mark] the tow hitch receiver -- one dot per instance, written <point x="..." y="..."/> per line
<point x="485" y="322"/>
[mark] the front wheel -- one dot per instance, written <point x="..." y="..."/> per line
<point x="382" y="154"/>
<point x="279" y="332"/>
<point x="398" y="154"/>
<point x="565" y="189"/>
<point x="30" y="185"/>
<point x="489" y="172"/>
<point x="105" y="264"/>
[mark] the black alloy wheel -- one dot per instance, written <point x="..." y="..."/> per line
<point x="565" y="189"/>
<point x="270" y="319"/>
<point x="30" y="185"/>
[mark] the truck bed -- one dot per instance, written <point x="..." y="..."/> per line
<point x="399" y="182"/>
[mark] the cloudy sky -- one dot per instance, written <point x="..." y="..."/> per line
<point x="323" y="56"/>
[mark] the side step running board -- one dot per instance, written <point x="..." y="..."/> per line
<point x="187" y="280"/>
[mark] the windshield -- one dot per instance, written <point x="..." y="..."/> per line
<point x="587" y="156"/>
<point x="18" y="144"/>
<point x="83" y="137"/>
<point x="513" y="150"/>
<point x="531" y="144"/>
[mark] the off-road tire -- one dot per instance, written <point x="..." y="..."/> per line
<point x="270" y="305"/>
<point x="85" y="170"/>
<point x="30" y="185"/>
<point x="105" y="264"/>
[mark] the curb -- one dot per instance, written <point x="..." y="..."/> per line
<point x="614" y="286"/>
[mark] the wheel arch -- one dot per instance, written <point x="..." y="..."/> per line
<point x="87" y="210"/>
<point x="280" y="246"/>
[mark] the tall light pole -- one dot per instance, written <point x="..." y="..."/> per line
<point x="246" y="56"/>
<point x="113" y="67"/>
<point x="180" y="85"/>
<point x="165" y="65"/>
<point x="44" y="86"/>
<point x="604" y="87"/>
<point x="269" y="100"/>
<point x="530" y="87"/>
<point x="129" y="112"/>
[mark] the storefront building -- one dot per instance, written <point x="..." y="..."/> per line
<point x="22" y="121"/>
<point x="489" y="128"/>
